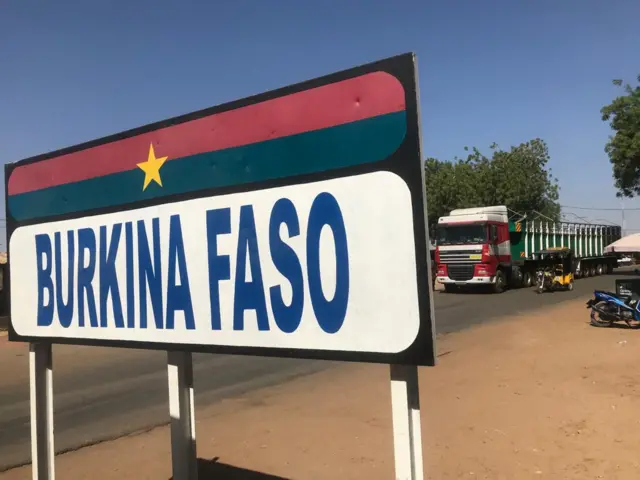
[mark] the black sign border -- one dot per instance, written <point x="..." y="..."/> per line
<point x="630" y="280"/>
<point x="405" y="162"/>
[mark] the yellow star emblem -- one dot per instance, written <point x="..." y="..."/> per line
<point x="151" y="168"/>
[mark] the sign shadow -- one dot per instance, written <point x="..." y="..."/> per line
<point x="213" y="469"/>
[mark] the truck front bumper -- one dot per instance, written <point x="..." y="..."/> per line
<point x="473" y="281"/>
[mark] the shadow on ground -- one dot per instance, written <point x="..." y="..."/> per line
<point x="628" y="273"/>
<point x="619" y="325"/>
<point x="214" y="470"/>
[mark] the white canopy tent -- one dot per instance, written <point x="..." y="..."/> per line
<point x="628" y="244"/>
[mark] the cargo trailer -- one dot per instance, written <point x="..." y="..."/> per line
<point x="482" y="247"/>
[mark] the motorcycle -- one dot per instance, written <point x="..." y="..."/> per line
<point x="544" y="280"/>
<point x="540" y="280"/>
<point x="608" y="307"/>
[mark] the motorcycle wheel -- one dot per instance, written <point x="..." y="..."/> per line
<point x="598" y="319"/>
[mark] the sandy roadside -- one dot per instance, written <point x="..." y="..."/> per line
<point x="535" y="396"/>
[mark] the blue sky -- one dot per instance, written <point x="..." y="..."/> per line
<point x="494" y="70"/>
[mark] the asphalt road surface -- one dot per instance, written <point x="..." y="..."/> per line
<point x="101" y="394"/>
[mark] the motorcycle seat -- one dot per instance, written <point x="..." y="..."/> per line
<point x="628" y="300"/>
<point x="613" y="294"/>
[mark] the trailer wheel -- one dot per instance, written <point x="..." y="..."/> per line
<point x="592" y="271"/>
<point x="527" y="280"/>
<point x="517" y="278"/>
<point x="600" y="269"/>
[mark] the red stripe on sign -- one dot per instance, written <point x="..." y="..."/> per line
<point x="343" y="102"/>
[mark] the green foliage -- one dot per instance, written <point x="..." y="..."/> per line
<point x="623" y="148"/>
<point x="517" y="178"/>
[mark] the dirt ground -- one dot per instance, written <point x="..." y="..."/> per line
<point x="535" y="396"/>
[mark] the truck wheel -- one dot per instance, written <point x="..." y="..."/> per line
<point x="516" y="279"/>
<point x="593" y="271"/>
<point x="527" y="280"/>
<point x="498" y="287"/>
<point x="599" y="269"/>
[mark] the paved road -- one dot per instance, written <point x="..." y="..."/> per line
<point x="457" y="311"/>
<point x="105" y="393"/>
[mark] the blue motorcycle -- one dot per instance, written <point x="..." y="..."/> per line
<point x="608" y="308"/>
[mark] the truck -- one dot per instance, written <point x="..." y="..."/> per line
<point x="484" y="247"/>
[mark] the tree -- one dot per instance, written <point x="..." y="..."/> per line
<point x="623" y="148"/>
<point x="517" y="178"/>
<point x="523" y="182"/>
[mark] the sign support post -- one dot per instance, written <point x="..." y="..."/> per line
<point x="405" y="406"/>
<point x="41" y="396"/>
<point x="182" y="412"/>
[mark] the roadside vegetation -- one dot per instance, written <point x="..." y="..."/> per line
<point x="518" y="177"/>
<point x="623" y="147"/>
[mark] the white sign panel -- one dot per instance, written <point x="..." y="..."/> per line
<point x="288" y="267"/>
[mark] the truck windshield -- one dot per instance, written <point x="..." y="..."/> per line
<point x="461" y="234"/>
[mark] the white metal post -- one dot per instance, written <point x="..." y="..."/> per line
<point x="526" y="239"/>
<point x="547" y="236"/>
<point x="579" y="230"/>
<point x="601" y="252"/>
<point x="181" y="408"/>
<point x="555" y="234"/>
<point x="599" y="240"/>
<point x="562" y="227"/>
<point x="41" y="396"/>
<point x="586" y="241"/>
<point x="572" y="237"/>
<point x="541" y="235"/>
<point x="405" y="406"/>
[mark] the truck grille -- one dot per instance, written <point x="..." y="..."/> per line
<point x="460" y="273"/>
<point x="460" y="256"/>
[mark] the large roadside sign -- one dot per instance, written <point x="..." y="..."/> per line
<point x="290" y="223"/>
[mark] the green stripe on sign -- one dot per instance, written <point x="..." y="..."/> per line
<point x="356" y="143"/>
